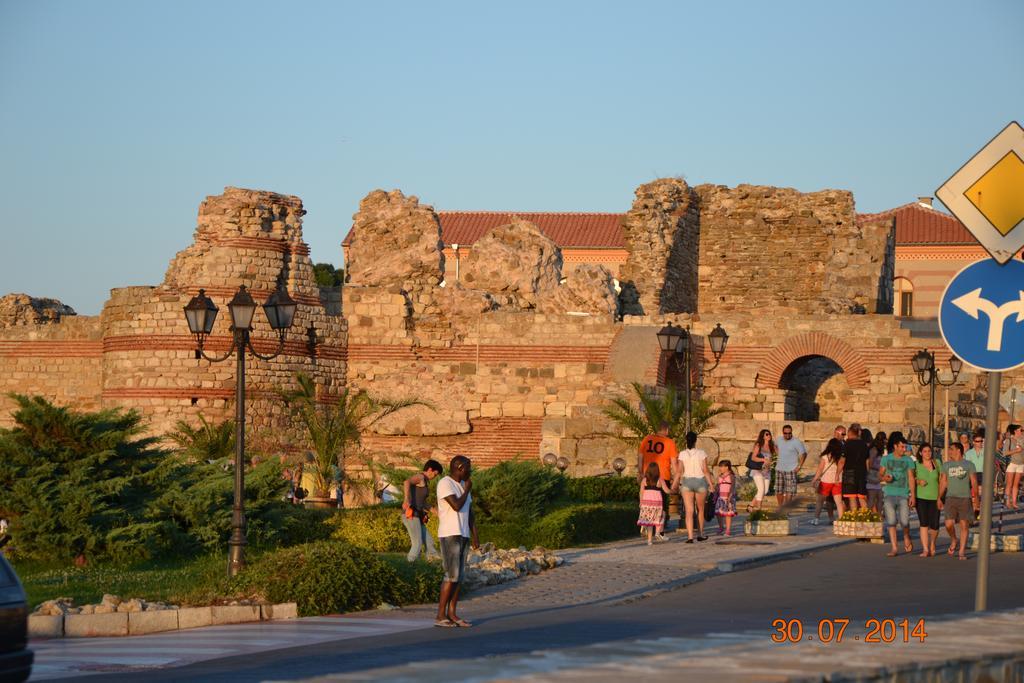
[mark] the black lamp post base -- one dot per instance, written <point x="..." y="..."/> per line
<point x="236" y="558"/>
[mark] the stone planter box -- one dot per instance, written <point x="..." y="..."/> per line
<point x="1011" y="543"/>
<point x="858" y="529"/>
<point x="773" y="527"/>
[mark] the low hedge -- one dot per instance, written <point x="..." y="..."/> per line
<point x="516" y="491"/>
<point x="573" y="524"/>
<point x="586" y="523"/>
<point x="328" y="577"/>
<point x="378" y="528"/>
<point x="602" y="489"/>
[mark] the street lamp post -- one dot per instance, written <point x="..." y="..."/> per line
<point x="923" y="363"/>
<point x="679" y="342"/>
<point x="200" y="313"/>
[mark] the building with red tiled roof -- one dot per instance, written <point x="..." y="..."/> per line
<point x="920" y="223"/>
<point x="931" y="246"/>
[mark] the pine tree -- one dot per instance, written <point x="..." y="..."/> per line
<point x="78" y="483"/>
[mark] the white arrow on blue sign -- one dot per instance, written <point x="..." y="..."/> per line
<point x="981" y="315"/>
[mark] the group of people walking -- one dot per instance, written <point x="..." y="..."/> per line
<point x="663" y="469"/>
<point x="855" y="471"/>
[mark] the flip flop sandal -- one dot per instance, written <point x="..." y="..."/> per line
<point x="462" y="623"/>
<point x="961" y="557"/>
<point x="445" y="623"/>
<point x="951" y="552"/>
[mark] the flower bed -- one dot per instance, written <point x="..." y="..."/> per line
<point x="858" y="529"/>
<point x="861" y="523"/>
<point x="770" y="527"/>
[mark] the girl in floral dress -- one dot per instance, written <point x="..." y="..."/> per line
<point x="652" y="515"/>
<point x="725" y="496"/>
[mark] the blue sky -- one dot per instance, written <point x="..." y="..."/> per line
<point x="118" y="118"/>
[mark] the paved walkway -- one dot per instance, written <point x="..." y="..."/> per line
<point x="65" y="657"/>
<point x="988" y="648"/>
<point x="608" y="574"/>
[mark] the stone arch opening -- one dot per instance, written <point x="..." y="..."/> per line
<point x="816" y="389"/>
<point x="812" y="344"/>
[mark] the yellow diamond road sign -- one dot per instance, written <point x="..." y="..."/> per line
<point x="987" y="194"/>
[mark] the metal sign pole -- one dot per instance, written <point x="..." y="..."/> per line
<point x="945" y="431"/>
<point x="987" y="490"/>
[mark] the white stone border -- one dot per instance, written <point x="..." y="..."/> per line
<point x="157" y="621"/>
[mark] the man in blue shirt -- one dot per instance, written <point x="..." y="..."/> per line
<point x="792" y="454"/>
<point x="976" y="455"/>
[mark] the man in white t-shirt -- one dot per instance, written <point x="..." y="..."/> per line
<point x="455" y="530"/>
<point x="792" y="454"/>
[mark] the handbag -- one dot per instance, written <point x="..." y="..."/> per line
<point x="753" y="464"/>
<point x="709" y="507"/>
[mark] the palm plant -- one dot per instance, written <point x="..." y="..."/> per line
<point x="656" y="408"/>
<point x="206" y="442"/>
<point x="334" y="430"/>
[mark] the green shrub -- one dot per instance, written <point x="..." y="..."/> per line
<point x="89" y="483"/>
<point x="516" y="491"/>
<point x="601" y="489"/>
<point x="326" y="577"/>
<point x="573" y="524"/>
<point x="299" y="524"/>
<point x="378" y="528"/>
<point x="419" y="582"/>
<point x="585" y="523"/>
<point x="507" y="535"/>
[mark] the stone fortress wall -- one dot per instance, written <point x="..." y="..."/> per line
<point x="138" y="352"/>
<point x="520" y="357"/>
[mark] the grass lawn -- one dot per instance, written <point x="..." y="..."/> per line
<point x="183" y="581"/>
<point x="177" y="581"/>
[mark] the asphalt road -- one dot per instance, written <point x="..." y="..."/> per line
<point x="855" y="581"/>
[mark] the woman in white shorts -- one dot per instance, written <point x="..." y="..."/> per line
<point x="1013" y="448"/>
<point x="759" y="466"/>
<point x="693" y="474"/>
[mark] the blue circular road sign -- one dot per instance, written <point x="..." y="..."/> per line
<point x="981" y="315"/>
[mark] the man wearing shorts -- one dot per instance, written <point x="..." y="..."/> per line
<point x="660" y="449"/>
<point x="976" y="455"/>
<point x="896" y="473"/>
<point x="958" y="496"/>
<point x="855" y="471"/>
<point x="792" y="454"/>
<point x="455" y="529"/>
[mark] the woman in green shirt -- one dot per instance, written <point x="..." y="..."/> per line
<point x="928" y="505"/>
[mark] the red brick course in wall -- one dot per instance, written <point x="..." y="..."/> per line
<point x="492" y="440"/>
<point x="482" y="353"/>
<point x="51" y="349"/>
<point x="215" y="345"/>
